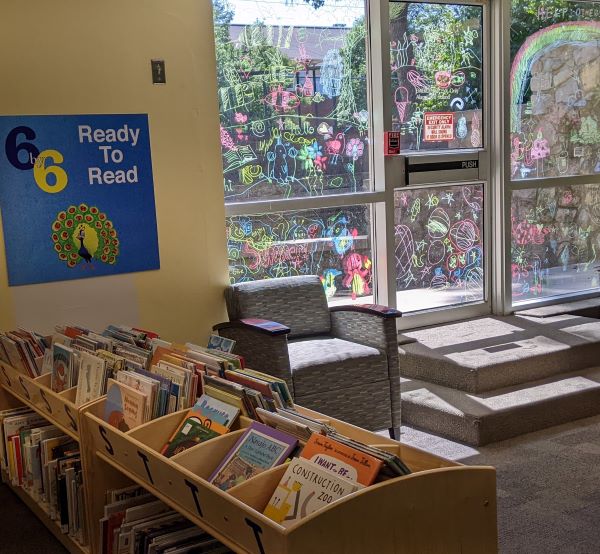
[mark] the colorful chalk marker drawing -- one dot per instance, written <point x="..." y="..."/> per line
<point x="333" y="243"/>
<point x="436" y="56"/>
<point x="555" y="240"/>
<point x="82" y="235"/>
<point x="293" y="105"/>
<point x="555" y="100"/>
<point x="554" y="124"/>
<point x="439" y="242"/>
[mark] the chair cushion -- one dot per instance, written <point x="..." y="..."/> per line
<point x="327" y="364"/>
<point x="298" y="302"/>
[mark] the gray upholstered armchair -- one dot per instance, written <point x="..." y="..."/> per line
<point x="341" y="361"/>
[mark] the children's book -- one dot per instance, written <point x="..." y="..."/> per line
<point x="258" y="449"/>
<point x="342" y="459"/>
<point x="215" y="410"/>
<point x="207" y="419"/>
<point x="145" y="385"/>
<point x="224" y="344"/>
<point x="193" y="431"/>
<point x="125" y="407"/>
<point x="62" y="367"/>
<point x="304" y="488"/>
<point x="92" y="378"/>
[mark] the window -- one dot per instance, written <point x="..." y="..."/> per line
<point x="555" y="241"/>
<point x="554" y="148"/>
<point x="439" y="246"/>
<point x="293" y="99"/>
<point x="437" y="81"/>
<point x="334" y="243"/>
<point x="555" y="89"/>
<point x="292" y="90"/>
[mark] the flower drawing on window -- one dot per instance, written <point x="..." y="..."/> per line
<point x="354" y="148"/>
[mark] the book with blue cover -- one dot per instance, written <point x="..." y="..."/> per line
<point x="258" y="449"/>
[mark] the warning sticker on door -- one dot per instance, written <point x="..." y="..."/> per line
<point x="438" y="126"/>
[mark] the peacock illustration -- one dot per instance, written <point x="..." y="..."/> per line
<point x="82" y="234"/>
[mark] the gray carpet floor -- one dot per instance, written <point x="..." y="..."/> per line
<point x="548" y="492"/>
<point x="20" y="531"/>
<point x="548" y="485"/>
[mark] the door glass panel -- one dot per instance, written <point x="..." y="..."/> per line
<point x="292" y="90"/>
<point x="334" y="243"/>
<point x="439" y="246"/>
<point x="437" y="81"/>
<point x="555" y="88"/>
<point x="555" y="241"/>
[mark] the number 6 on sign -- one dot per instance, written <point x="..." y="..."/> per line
<point x="41" y="172"/>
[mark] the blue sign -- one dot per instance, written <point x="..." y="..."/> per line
<point x="77" y="196"/>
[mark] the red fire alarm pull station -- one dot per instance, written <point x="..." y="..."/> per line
<point x="392" y="143"/>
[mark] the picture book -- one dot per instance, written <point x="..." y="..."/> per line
<point x="215" y="410"/>
<point x="92" y="378"/>
<point x="342" y="459"/>
<point x="304" y="488"/>
<point x="114" y="363"/>
<point x="145" y="385"/>
<point x="193" y="431"/>
<point x="281" y="385"/>
<point x="12" y="352"/>
<point x="393" y="465"/>
<point x="62" y="367"/>
<point x="224" y="344"/>
<point x="207" y="419"/>
<point x="227" y="398"/>
<point x="125" y="407"/>
<point x="258" y="449"/>
<point x="47" y="362"/>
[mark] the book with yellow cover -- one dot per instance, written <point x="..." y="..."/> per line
<point x="304" y="488"/>
<point x="341" y="459"/>
<point x="226" y="397"/>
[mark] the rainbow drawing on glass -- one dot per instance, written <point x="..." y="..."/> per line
<point x="291" y="98"/>
<point x="554" y="101"/>
<point x="331" y="243"/>
<point x="555" y="240"/>
<point x="438" y="240"/>
<point x="436" y="60"/>
<point x="83" y="234"/>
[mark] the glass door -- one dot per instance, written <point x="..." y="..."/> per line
<point x="439" y="89"/>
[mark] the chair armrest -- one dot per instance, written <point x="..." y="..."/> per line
<point x="371" y="309"/>
<point x="265" y="326"/>
<point x="262" y="349"/>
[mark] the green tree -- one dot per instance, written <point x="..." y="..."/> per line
<point x="530" y="16"/>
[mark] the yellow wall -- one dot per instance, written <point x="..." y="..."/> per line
<point x="83" y="56"/>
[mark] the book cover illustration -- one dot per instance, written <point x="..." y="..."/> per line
<point x="341" y="459"/>
<point x="258" y="449"/>
<point x="62" y="367"/>
<point x="216" y="410"/>
<point x="125" y="407"/>
<point x="224" y="344"/>
<point x="92" y="377"/>
<point x="193" y="431"/>
<point x="304" y="488"/>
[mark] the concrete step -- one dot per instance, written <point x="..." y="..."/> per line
<point x="478" y="419"/>
<point x="487" y="353"/>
